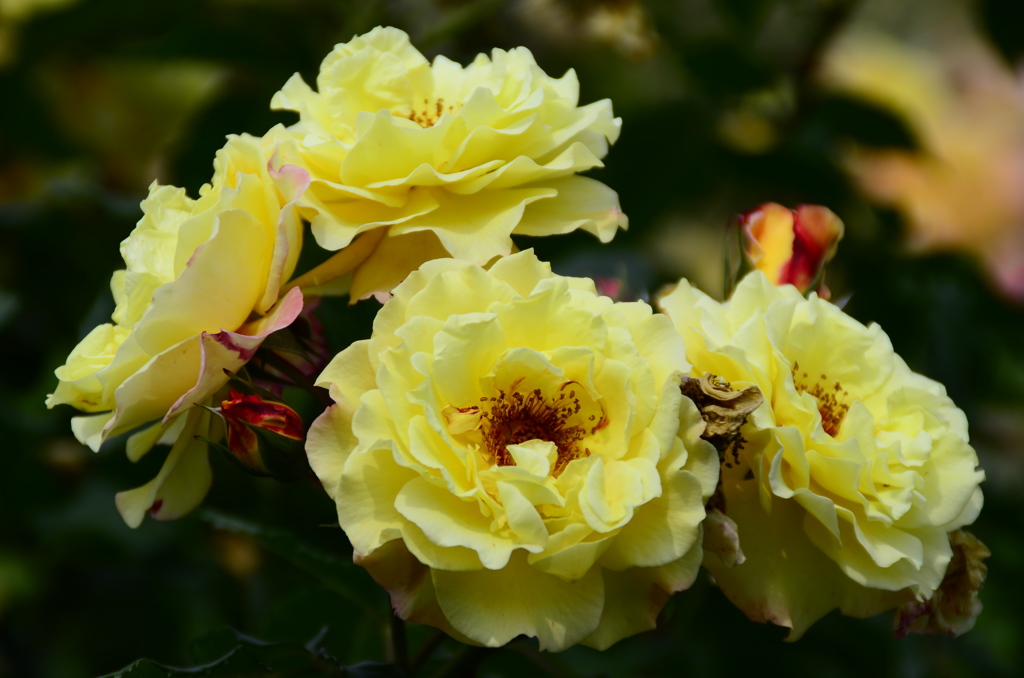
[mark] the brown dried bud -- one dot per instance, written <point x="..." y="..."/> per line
<point x="955" y="607"/>
<point x="724" y="409"/>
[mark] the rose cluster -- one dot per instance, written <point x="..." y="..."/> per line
<point x="512" y="453"/>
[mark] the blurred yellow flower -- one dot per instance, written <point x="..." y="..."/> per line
<point x="853" y="471"/>
<point x="436" y="160"/>
<point x="510" y="453"/>
<point x="966" y="108"/>
<point x="199" y="293"/>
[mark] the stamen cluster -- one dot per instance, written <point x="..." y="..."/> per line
<point x="429" y="115"/>
<point x="830" y="403"/>
<point x="515" y="418"/>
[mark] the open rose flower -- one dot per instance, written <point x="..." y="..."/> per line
<point x="200" y="291"/>
<point x="853" y="471"/>
<point x="510" y="454"/>
<point x="436" y="160"/>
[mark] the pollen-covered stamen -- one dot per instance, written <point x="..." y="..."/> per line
<point x="515" y="417"/>
<point x="830" y="396"/>
<point x="428" y="113"/>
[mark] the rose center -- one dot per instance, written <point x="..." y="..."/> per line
<point x="514" y="417"/>
<point x="831" y="397"/>
<point x="429" y="112"/>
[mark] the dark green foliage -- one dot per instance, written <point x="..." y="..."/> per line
<point x="82" y="595"/>
<point x="238" y="656"/>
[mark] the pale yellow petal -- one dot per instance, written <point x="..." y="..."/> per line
<point x="520" y="601"/>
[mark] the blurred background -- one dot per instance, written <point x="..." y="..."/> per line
<point x="906" y="117"/>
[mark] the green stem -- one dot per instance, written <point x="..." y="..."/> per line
<point x="424" y="654"/>
<point x="398" y="647"/>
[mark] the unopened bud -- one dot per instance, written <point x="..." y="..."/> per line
<point x="262" y="435"/>
<point x="791" y="247"/>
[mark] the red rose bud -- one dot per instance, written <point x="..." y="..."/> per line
<point x="265" y="437"/>
<point x="791" y="246"/>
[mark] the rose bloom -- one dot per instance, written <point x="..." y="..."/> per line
<point x="853" y="471"/>
<point x="510" y="454"/>
<point x="436" y="160"/>
<point x="199" y="292"/>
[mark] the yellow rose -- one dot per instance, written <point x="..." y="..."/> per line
<point x="199" y="293"/>
<point x="854" y="469"/>
<point x="510" y="454"/>
<point x="439" y="160"/>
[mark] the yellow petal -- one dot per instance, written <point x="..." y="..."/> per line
<point x="557" y="613"/>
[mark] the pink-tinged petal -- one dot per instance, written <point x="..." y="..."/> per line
<point x="231" y="350"/>
<point x="291" y="180"/>
<point x="218" y="288"/>
<point x="193" y="368"/>
<point x="182" y="482"/>
<point x="280" y="316"/>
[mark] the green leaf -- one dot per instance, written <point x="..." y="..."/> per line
<point x="340" y="575"/>
<point x="284" y="340"/>
<point x="242" y="382"/>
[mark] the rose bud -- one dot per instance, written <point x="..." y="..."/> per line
<point x="791" y="246"/>
<point x="954" y="607"/>
<point x="264" y="437"/>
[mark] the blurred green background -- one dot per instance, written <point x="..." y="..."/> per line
<point x="906" y="117"/>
